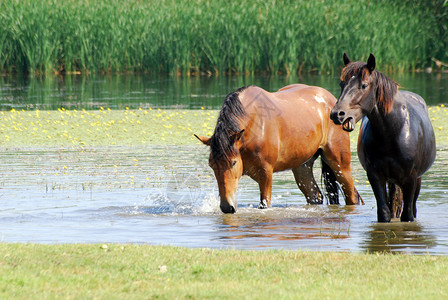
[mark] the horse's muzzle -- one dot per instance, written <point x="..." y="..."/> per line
<point x="340" y="118"/>
<point x="334" y="117"/>
<point x="227" y="208"/>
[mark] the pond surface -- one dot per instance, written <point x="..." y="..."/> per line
<point x="135" y="91"/>
<point x="162" y="195"/>
<point x="168" y="195"/>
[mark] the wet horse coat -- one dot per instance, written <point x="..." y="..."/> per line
<point x="259" y="133"/>
<point x="396" y="143"/>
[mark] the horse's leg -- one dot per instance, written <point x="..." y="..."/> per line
<point x="410" y="194"/>
<point x="306" y="182"/>
<point x="264" y="179"/>
<point x="379" y="189"/>
<point x="394" y="199"/>
<point x="339" y="162"/>
<point x="416" y="193"/>
<point x="330" y="183"/>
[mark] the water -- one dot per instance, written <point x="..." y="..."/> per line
<point x="168" y="195"/>
<point x="120" y="91"/>
<point x="162" y="195"/>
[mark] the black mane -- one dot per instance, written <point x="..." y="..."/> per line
<point x="386" y="89"/>
<point x="232" y="111"/>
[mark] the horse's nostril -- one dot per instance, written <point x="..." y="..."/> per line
<point x="228" y="209"/>
<point x="341" y="114"/>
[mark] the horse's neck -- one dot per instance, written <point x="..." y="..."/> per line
<point x="382" y="124"/>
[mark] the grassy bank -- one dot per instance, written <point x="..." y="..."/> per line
<point x="147" y="272"/>
<point x="174" y="36"/>
<point x="105" y="127"/>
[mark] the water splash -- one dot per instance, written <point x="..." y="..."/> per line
<point x="162" y="204"/>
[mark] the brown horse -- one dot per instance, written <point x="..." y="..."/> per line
<point x="258" y="133"/>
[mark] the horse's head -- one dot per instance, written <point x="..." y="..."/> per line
<point x="225" y="160"/>
<point x="356" y="86"/>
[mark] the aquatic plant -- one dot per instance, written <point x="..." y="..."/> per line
<point x="184" y="37"/>
<point x="106" y="127"/>
<point x="103" y="127"/>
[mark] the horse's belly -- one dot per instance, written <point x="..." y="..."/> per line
<point x="295" y="153"/>
<point x="395" y="159"/>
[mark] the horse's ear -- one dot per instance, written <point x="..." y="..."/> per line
<point x="205" y="140"/>
<point x="236" y="136"/>
<point x="346" y="59"/>
<point x="371" y="63"/>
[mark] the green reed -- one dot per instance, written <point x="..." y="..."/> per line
<point x="252" y="36"/>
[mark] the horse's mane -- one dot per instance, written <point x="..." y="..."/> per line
<point x="386" y="88"/>
<point x="221" y="142"/>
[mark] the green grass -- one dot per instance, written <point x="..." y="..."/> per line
<point x="184" y="37"/>
<point x="146" y="272"/>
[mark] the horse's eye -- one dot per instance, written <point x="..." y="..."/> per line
<point x="364" y="86"/>
<point x="234" y="162"/>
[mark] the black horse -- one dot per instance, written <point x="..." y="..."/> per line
<point x="396" y="143"/>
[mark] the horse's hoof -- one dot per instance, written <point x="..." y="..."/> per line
<point x="405" y="218"/>
<point x="384" y="219"/>
<point x="263" y="204"/>
<point x="384" y="216"/>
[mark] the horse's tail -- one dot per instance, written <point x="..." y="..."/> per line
<point x="331" y="185"/>
<point x="394" y="199"/>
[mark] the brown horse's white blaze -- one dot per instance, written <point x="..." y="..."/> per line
<point x="259" y="133"/>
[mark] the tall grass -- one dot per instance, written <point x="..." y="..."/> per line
<point x="174" y="36"/>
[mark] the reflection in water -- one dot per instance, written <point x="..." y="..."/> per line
<point x="281" y="224"/>
<point x="134" y="91"/>
<point x="398" y="237"/>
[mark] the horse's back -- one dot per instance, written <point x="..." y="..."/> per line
<point x="290" y="125"/>
<point x="315" y="93"/>
<point x="299" y="105"/>
<point x="295" y="86"/>
<point x="415" y="101"/>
